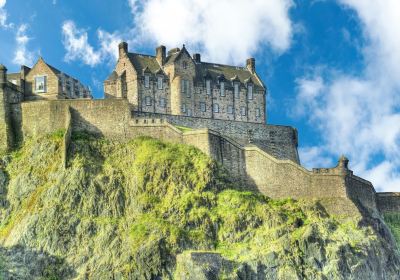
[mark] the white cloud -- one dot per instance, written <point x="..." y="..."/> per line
<point x="359" y="115"/>
<point x="224" y="31"/>
<point x="22" y="55"/>
<point x="3" y="14"/>
<point x="76" y="43"/>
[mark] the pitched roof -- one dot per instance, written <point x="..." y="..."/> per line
<point x="140" y="62"/>
<point x="113" y="76"/>
<point x="216" y="71"/>
<point x="203" y="69"/>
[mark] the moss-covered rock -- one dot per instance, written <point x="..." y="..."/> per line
<point x="126" y="211"/>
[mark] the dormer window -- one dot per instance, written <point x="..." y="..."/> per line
<point x="222" y="88"/>
<point x="146" y="81"/>
<point x="250" y="91"/>
<point x="41" y="84"/>
<point x="236" y="89"/>
<point x="160" y="81"/>
<point x="208" y="87"/>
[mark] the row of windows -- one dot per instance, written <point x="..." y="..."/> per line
<point x="162" y="102"/>
<point x="216" y="109"/>
<point x="160" y="82"/>
<point x="185" y="87"/>
<point x="203" y="108"/>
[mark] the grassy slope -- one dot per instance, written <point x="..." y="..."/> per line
<point x="159" y="200"/>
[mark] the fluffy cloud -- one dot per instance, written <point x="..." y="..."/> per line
<point x="359" y="115"/>
<point x="3" y="14"/>
<point x="76" y="43"/>
<point x="224" y="31"/>
<point x="22" y="55"/>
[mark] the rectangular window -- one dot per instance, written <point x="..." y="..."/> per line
<point x="183" y="108"/>
<point x="243" y="111"/>
<point x="148" y="100"/>
<point x="202" y="106"/>
<point x="222" y="87"/>
<point x="185" y="87"/>
<point x="258" y="113"/>
<point x="146" y="81"/>
<point x="162" y="102"/>
<point x="216" y="108"/>
<point x="189" y="112"/>
<point x="250" y="92"/>
<point x="208" y="87"/>
<point x="160" y="82"/>
<point x="40" y="84"/>
<point x="236" y="90"/>
<point x="230" y="110"/>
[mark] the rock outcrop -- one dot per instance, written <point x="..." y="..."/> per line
<point x="151" y="210"/>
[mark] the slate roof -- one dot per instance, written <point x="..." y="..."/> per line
<point x="149" y="63"/>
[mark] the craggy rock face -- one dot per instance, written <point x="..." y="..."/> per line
<point x="151" y="210"/>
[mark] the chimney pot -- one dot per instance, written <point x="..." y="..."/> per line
<point x="197" y="57"/>
<point x="161" y="55"/>
<point x="123" y="49"/>
<point x="251" y="65"/>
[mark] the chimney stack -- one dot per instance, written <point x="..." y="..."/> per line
<point x="251" y="65"/>
<point x="123" y="49"/>
<point x="3" y="74"/>
<point x="161" y="55"/>
<point x="197" y="57"/>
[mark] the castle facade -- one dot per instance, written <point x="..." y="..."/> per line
<point x="44" y="81"/>
<point x="177" y="83"/>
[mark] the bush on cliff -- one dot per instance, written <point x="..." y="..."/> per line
<point x="126" y="211"/>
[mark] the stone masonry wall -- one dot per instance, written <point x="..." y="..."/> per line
<point x="279" y="141"/>
<point x="388" y="202"/>
<point x="249" y="164"/>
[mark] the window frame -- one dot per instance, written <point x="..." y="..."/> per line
<point x="243" y="111"/>
<point x="236" y="90"/>
<point x="147" y="81"/>
<point x="258" y="113"/>
<point x="44" y="90"/>
<point x="183" y="108"/>
<point x="147" y="100"/>
<point x="250" y="91"/>
<point x="160" y="82"/>
<point x="222" y="89"/>
<point x="163" y="102"/>
<point x="208" y="87"/>
<point x="203" y="107"/>
<point x="215" y="108"/>
<point x="230" y="110"/>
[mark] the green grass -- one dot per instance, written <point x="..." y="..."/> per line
<point x="183" y="128"/>
<point x="163" y="199"/>
<point x="393" y="222"/>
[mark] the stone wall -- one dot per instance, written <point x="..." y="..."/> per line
<point x="108" y="118"/>
<point x="249" y="165"/>
<point x="388" y="202"/>
<point x="279" y="141"/>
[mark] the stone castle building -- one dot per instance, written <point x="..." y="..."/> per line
<point x="177" y="84"/>
<point x="178" y="98"/>
<point x="44" y="81"/>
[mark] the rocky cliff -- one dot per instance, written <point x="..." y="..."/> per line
<point x="152" y="210"/>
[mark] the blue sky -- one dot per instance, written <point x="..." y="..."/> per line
<point x="332" y="67"/>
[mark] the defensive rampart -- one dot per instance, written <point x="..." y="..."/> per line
<point x="388" y="202"/>
<point x="279" y="141"/>
<point x="252" y="166"/>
